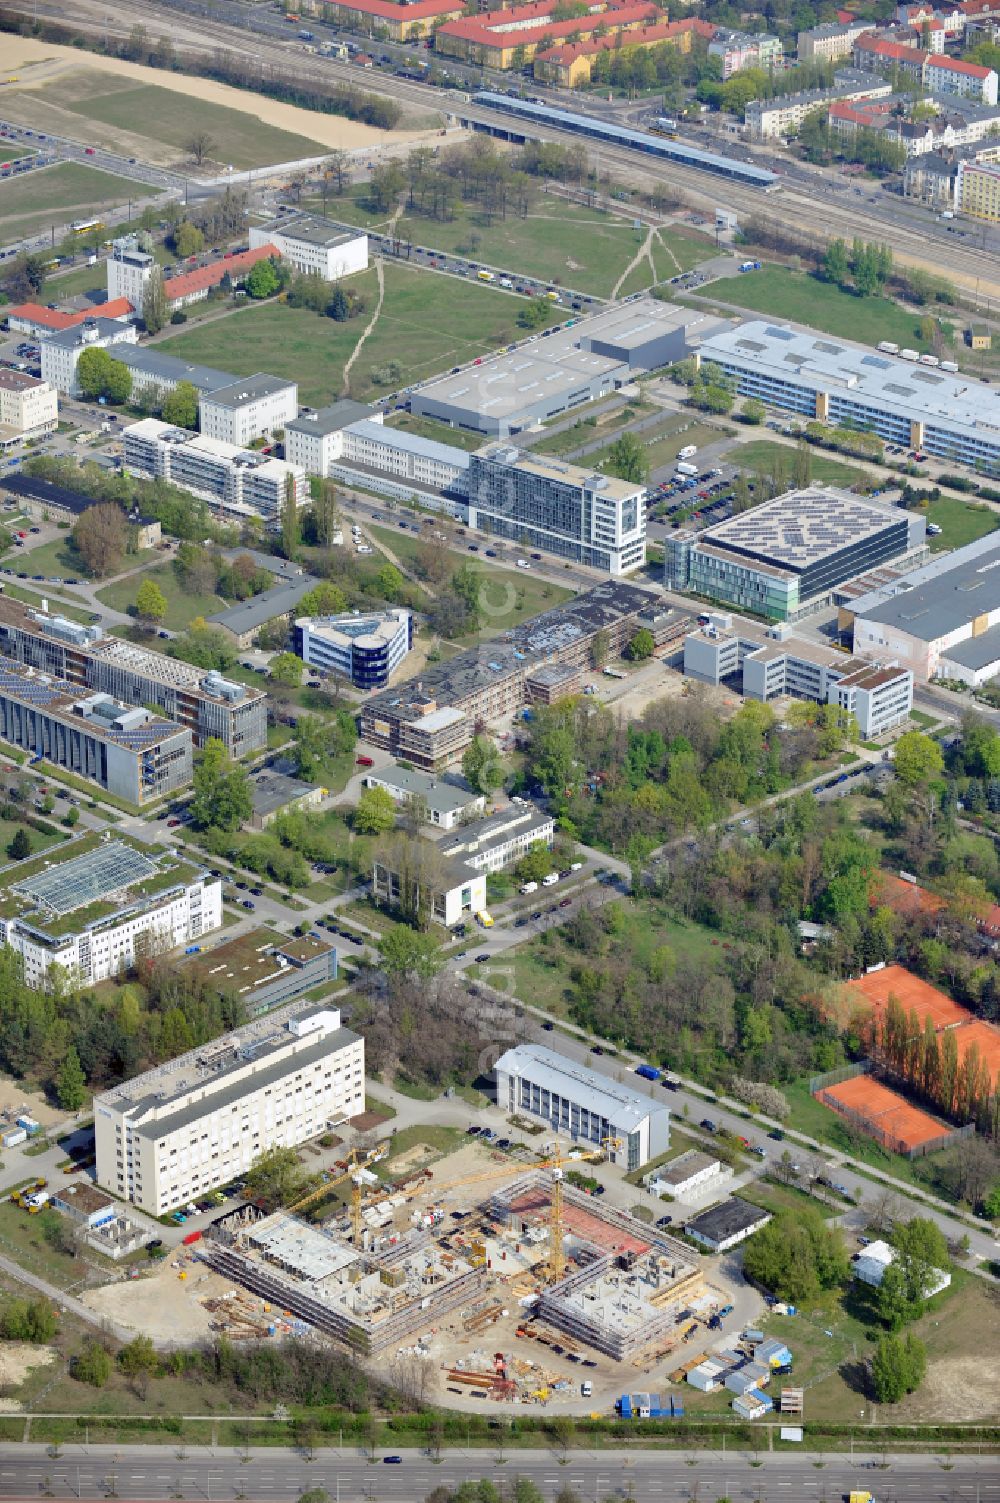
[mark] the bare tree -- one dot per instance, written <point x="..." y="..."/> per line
<point x="101" y="536"/>
<point x="198" y="146"/>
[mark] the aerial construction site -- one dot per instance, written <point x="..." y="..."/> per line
<point x="427" y="1266"/>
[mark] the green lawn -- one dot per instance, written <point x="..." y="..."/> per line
<point x="58" y="557"/>
<point x="567" y="244"/>
<point x="762" y="453"/>
<point x="182" y="606"/>
<point x="441" y="433"/>
<point x="663" y="442"/>
<point x="960" y="522"/>
<point x="39" y="841"/>
<point x="53" y="195"/>
<point x="427" y="324"/>
<point x="804" y="299"/>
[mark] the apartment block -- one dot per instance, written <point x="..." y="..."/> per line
<point x="830" y="43"/>
<point x="737" y="50"/>
<point x="403" y="22"/>
<point x="203" y="702"/>
<point x="29" y="408"/>
<point x="315" y="440"/>
<point x="173" y="1134"/>
<point x="508" y="38"/>
<point x="768" y="119"/>
<point x="544" y="503"/>
<point x="977" y="190"/>
<point x="313" y="244"/>
<point x="251" y="407"/>
<point x="90" y="907"/>
<point x="130" y="271"/>
<point x="235" y="482"/>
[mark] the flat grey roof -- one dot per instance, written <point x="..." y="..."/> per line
<point x="977" y="652"/>
<point x="156" y="363"/>
<point x="598" y="1093"/>
<point x="314" y="229"/>
<point x="273" y="790"/>
<point x="259" y="609"/>
<point x="244" y="389"/>
<point x="330" y="419"/>
<point x="824" y="362"/>
<point x="437" y="793"/>
<point x="802" y="527"/>
<point x="411" y="443"/>
<point x="941" y="597"/>
<point x="680" y="1169"/>
<point x="726" y="1219"/>
<point x="73" y="337"/>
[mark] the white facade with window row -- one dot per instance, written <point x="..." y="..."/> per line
<point x="252" y="407"/>
<point x="235" y="482"/>
<point x="313" y="244"/>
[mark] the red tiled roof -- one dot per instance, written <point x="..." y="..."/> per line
<point x="203" y="277"/>
<point x="56" y="320"/>
<point x="956" y="65"/>
<point x="498" y="28"/>
<point x="640" y="36"/>
<point x="869" y="43"/>
<point x="388" y="10"/>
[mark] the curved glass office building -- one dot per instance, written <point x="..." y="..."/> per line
<point x="367" y="649"/>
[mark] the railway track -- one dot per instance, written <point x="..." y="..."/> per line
<point x="819" y="216"/>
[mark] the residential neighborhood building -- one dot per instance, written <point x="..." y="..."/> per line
<point x="235" y="482"/>
<point x="183" y="1128"/>
<point x="29" y="408"/>
<point x="182" y="287"/>
<point x="365" y="648"/>
<point x="402" y="20"/>
<point x="249" y="407"/>
<point x="570" y="64"/>
<point x="737" y="50"/>
<point x="831" y="42"/>
<point x="586" y="1105"/>
<point x="782" y="116"/>
<point x="938" y="72"/>
<point x="40" y="321"/>
<point x="442" y="802"/>
<point x="977" y="190"/>
<point x="313" y="244"/>
<point x="509" y="38"/>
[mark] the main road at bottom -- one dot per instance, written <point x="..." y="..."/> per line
<point x="148" y="1473"/>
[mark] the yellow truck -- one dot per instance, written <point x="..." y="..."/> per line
<point x="864" y="1496"/>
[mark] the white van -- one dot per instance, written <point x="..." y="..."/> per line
<point x="530" y="887"/>
<point x="550" y="880"/>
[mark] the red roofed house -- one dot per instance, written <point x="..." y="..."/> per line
<point x="401" y="22"/>
<point x="509" y="38"/>
<point x="191" y="286"/>
<point x="34" y="318"/>
<point x="573" y="63"/>
<point x="950" y="75"/>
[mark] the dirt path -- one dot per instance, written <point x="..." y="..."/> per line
<point x="369" y="327"/>
<point x="644" y="253"/>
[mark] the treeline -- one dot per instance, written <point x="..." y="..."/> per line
<point x="494" y="182"/>
<point x="874" y="150"/>
<point x="206" y="571"/>
<point x="179" y="512"/>
<point x="957" y="1083"/>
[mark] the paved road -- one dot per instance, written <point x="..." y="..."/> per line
<point x="151" y="1473"/>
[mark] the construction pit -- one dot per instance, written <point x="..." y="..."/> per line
<point x="458" y="1281"/>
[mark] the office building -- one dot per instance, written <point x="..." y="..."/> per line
<point x="180" y="1130"/>
<point x="727" y="1225"/>
<point x="40" y="321"/>
<point x="458" y="890"/>
<point x="830" y="43"/>
<point x="130" y="271"/>
<point x="558" y="371"/>
<point x="579" y="514"/>
<point x="770" y="119"/>
<point x="276" y="793"/>
<point x="584" y="1104"/>
<point x="155" y="373"/>
<point x="364" y="648"/>
<point x="977" y="190"/>
<point x="438" y="801"/>
<point x="93" y="906"/>
<point x="48" y="502"/>
<point x="771" y="662"/>
<point x="404" y="465"/>
<point x="500" y="840"/>
<point x="782" y="559"/>
<point x="235" y="482"/>
<point x="315" y="440"/>
<point x="264" y="969"/>
<point x="313" y="244"/>
<point x="124" y="749"/>
<point x="737" y="50"/>
<point x="941" y="620"/>
<point x="251" y="407"/>
<point x="61" y="350"/>
<point x="201" y="700"/>
<point x="910" y="402"/>
<point x="244" y="620"/>
<point x="509" y="38"/>
<point x="431" y="720"/>
<point x="29" y="408"/>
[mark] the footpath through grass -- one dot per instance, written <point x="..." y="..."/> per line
<point x="182" y="606"/>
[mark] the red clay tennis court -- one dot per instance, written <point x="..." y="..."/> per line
<point x="896" y="981"/>
<point x="883" y="1114"/>
<point x="987" y="1037"/>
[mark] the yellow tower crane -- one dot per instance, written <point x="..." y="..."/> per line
<point x="356" y="1158"/>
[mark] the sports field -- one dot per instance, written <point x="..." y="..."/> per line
<point x="53" y="195"/>
<point x="911" y="992"/>
<point x="883" y="1113"/>
<point x="428" y="323"/>
<point x="986" y="1038"/>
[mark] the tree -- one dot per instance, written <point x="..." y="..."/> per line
<point x="338" y="308"/>
<point x="222" y="797"/>
<point x="28" y="1320"/>
<point x="188" y="239"/>
<point x="150" y="602"/>
<point x="262" y="280"/>
<point x="276" y="1178"/>
<point x="898" y="1366"/>
<point x="536" y="863"/>
<point x="796" y="1255"/>
<point x="406" y="952"/>
<point x="20" y="845"/>
<point x="291" y="525"/>
<point x="98" y="375"/>
<point x="138" y="1361"/>
<point x="198" y="145"/>
<point x="287" y="669"/>
<point x="154" y="303"/>
<point x="628" y="459"/>
<point x="481" y="765"/>
<point x="535" y="313"/>
<point x="753" y="411"/>
<point x="180" y="406"/>
<point x="917" y="758"/>
<point x="91" y="1364"/>
<point x="325" y="600"/>
<point x="375" y="813"/>
<point x="641" y="646"/>
<point x="72" y="1085"/>
<point x="390" y="582"/>
<point x="600" y="646"/>
<point x="835" y="265"/>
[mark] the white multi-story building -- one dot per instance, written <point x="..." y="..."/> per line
<point x="500" y="840"/>
<point x="951" y="75"/>
<point x="364" y="648"/>
<point x="91" y="910"/>
<point x="29" y="408"/>
<point x="235" y="482"/>
<point x="770" y="118"/>
<point x="183" y="1129"/>
<point x="544" y="503"/>
<point x="743" y="49"/>
<point x="130" y="271"/>
<point x="61" y="351"/>
<point x="313" y="244"/>
<point x="250" y="408"/>
<point x="421" y="462"/>
<point x="830" y="43"/>
<point x="315" y="440"/>
<point x="589" y="1107"/>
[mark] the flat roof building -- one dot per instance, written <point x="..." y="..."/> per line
<point x="249" y="407"/>
<point x="29" y="408"/>
<point x="314" y="245"/>
<point x="153" y="370"/>
<point x="726" y="1225"/>
<point x="940" y="619"/>
<point x="905" y="401"/>
<point x="376" y="456"/>
<point x="243" y="620"/>
<point x="365" y="648"/>
<point x="783" y="559"/>
<point x="172" y="1134"/>
<point x="237" y="483"/>
<point x="584" y="1104"/>
<point x="691" y="1173"/>
<point x="315" y="440"/>
<point x="90" y="906"/>
<point x="61" y="349"/>
<point x="442" y="802"/>
<point x="575" y="513"/>
<point x="205" y="702"/>
<point x="275" y="793"/>
<point x="264" y="969"/>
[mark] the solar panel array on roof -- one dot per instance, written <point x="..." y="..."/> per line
<point x="87" y="879"/>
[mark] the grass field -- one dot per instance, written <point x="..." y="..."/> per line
<point x="663" y="442"/>
<point x="441" y="433"/>
<point x="39" y="841"/>
<point x="804" y="299"/>
<point x="53" y="195"/>
<point x="565" y="243"/>
<point x="427" y="324"/>
<point x="59" y="557"/>
<point x="960" y="522"/>
<point x="761" y="453"/>
<point x="182" y="606"/>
